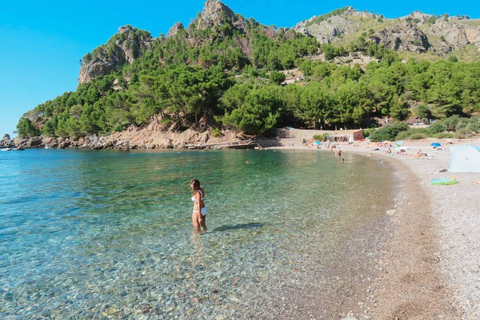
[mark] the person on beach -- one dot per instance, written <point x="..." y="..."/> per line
<point x="418" y="155"/>
<point x="199" y="214"/>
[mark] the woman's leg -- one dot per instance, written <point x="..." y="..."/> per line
<point x="204" y="222"/>
<point x="195" y="221"/>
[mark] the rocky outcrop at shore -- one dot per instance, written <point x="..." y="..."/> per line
<point x="133" y="138"/>
<point x="6" y="142"/>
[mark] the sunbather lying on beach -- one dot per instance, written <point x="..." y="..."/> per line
<point x="418" y="155"/>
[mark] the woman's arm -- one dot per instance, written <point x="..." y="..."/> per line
<point x="198" y="203"/>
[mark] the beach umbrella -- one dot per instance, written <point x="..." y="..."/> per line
<point x="436" y="144"/>
<point x="399" y="143"/>
<point x="318" y="142"/>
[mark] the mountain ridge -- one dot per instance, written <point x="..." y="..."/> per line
<point x="418" y="33"/>
<point x="224" y="71"/>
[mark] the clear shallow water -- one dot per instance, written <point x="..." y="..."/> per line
<point x="89" y="234"/>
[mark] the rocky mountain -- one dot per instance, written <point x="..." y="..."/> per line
<point x="124" y="47"/>
<point x="418" y="32"/>
<point x="224" y="71"/>
<point x="131" y="43"/>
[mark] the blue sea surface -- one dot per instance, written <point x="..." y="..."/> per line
<point x="94" y="234"/>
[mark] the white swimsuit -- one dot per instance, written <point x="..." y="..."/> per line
<point x="203" y="210"/>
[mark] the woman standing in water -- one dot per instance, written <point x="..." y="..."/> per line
<point x="199" y="214"/>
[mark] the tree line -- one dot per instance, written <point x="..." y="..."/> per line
<point x="222" y="76"/>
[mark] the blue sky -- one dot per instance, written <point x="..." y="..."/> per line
<point x="42" y="41"/>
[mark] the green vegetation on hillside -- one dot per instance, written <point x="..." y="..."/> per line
<point x="228" y="76"/>
<point x="129" y="38"/>
<point x="452" y="127"/>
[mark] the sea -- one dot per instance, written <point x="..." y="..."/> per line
<point x="108" y="234"/>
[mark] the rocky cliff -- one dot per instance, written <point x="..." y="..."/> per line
<point x="124" y="47"/>
<point x="418" y="32"/>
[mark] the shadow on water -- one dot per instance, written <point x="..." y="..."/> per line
<point x="238" y="226"/>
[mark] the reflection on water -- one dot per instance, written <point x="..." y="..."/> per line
<point x="96" y="234"/>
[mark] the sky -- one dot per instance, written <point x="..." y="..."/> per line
<point x="41" y="42"/>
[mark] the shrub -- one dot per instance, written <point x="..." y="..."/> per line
<point x="461" y="124"/>
<point x="431" y="20"/>
<point x="472" y="127"/>
<point x="422" y="111"/>
<point x="444" y="135"/>
<point x="277" y="77"/>
<point x="368" y="132"/>
<point x="451" y="122"/>
<point x="321" y="137"/>
<point x="216" y="132"/>
<point x="459" y="135"/>
<point x="407" y="135"/>
<point x="453" y="58"/>
<point x="418" y="136"/>
<point x="389" y="132"/>
<point x="404" y="135"/>
<point x="166" y="121"/>
<point x="437" y="127"/>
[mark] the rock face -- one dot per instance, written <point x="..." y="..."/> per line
<point x="417" y="32"/>
<point x="403" y="36"/>
<point x="152" y="137"/>
<point x="178" y="26"/>
<point x="328" y="29"/>
<point x="124" y="47"/>
<point x="6" y="141"/>
<point x="216" y="13"/>
<point x="96" y="68"/>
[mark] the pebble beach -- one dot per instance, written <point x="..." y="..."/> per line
<point x="430" y="267"/>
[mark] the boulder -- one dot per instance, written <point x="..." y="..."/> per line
<point x="64" y="145"/>
<point x="34" y="142"/>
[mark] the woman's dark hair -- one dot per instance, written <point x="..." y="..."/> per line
<point x="196" y="184"/>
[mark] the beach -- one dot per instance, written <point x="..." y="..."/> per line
<point x="430" y="267"/>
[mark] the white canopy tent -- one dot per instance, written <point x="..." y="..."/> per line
<point x="465" y="159"/>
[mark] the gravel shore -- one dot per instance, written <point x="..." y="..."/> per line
<point x="454" y="212"/>
<point x="430" y="268"/>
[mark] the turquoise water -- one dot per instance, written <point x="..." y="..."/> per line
<point x="92" y="234"/>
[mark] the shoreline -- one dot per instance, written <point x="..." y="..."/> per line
<point x="430" y="266"/>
